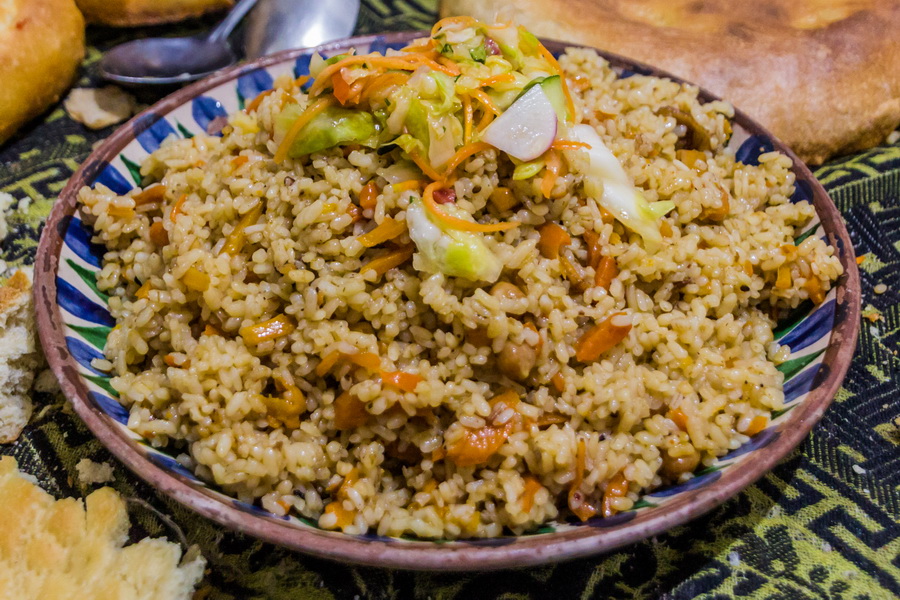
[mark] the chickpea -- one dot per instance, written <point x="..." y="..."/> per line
<point x="517" y="360"/>
<point x="674" y="467"/>
<point x="503" y="290"/>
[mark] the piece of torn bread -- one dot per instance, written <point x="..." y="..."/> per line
<point x="822" y="75"/>
<point x="67" y="549"/>
<point x="19" y="356"/>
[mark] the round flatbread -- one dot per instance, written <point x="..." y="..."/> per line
<point x="41" y="46"/>
<point x="130" y="13"/>
<point x="822" y="75"/>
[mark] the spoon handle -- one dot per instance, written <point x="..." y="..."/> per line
<point x="223" y="29"/>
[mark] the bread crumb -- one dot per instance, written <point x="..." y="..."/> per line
<point x="46" y="383"/>
<point x="79" y="546"/>
<point x="91" y="473"/>
<point x="100" y="107"/>
<point x="858" y="470"/>
<point x="880" y="288"/>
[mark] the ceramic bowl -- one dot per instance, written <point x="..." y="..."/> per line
<point x="74" y="321"/>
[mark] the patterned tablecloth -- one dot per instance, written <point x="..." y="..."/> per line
<point x="825" y="523"/>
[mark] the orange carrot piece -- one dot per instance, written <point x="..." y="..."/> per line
<point x="143" y="291"/>
<point x="368" y="196"/>
<point x="504" y="199"/>
<point x="340" y="87"/>
<point x="366" y="360"/>
<point x="602" y="337"/>
<point x="559" y="382"/>
<point x="814" y="288"/>
<point x="532" y="487"/>
<point x="210" y="329"/>
<point x="783" y="280"/>
<point x="456" y="222"/>
<point x="757" y="424"/>
<point x="384" y="231"/>
<point x="234" y="241"/>
<point x="150" y="195"/>
<point x="551" y="173"/>
<point x="345" y="517"/>
<point x="349" y="412"/>
<point x="305" y="117"/>
<point x="616" y="488"/>
<point x="592" y="241"/>
<point x="402" y="380"/>
<point x="195" y="279"/>
<point x="375" y="61"/>
<point x="158" y="234"/>
<point x="327" y="363"/>
<point x="386" y="262"/>
<point x="607" y="270"/>
<point x="477" y="446"/>
<point x="553" y="238"/>
<point x="274" y="328"/>
<point x="679" y="418"/>
<point x="239" y="161"/>
<point x="861" y="259"/>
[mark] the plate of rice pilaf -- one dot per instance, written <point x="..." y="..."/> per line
<point x="527" y="300"/>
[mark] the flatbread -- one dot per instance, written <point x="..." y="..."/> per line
<point x="822" y="75"/>
<point x="129" y="13"/>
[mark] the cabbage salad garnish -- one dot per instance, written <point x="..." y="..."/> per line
<point x="468" y="88"/>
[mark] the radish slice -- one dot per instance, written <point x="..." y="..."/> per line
<point x="527" y="128"/>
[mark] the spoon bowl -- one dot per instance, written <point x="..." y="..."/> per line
<point x="163" y="61"/>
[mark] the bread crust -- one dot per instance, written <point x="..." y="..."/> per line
<point x="824" y="76"/>
<point x="130" y="13"/>
<point x="41" y="46"/>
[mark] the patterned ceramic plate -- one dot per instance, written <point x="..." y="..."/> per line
<point x="74" y="321"/>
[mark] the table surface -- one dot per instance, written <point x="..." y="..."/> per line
<point x="822" y="524"/>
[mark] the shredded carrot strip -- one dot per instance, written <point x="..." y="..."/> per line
<point x="386" y="262"/>
<point x="366" y="360"/>
<point x="254" y="104"/>
<point x="386" y="230"/>
<point x="600" y="338"/>
<point x="340" y="87"/>
<point x="570" y="105"/>
<point x="234" y="242"/>
<point x="456" y="222"/>
<point x="402" y="380"/>
<point x="381" y="84"/>
<point x="442" y="64"/>
<point x="426" y="168"/>
<point x="495" y="79"/>
<point x="861" y="259"/>
<point x="368" y="196"/>
<point x="464" y="153"/>
<point x="400" y="63"/>
<point x="486" y="119"/>
<point x="302" y="80"/>
<point x="551" y="173"/>
<point x="462" y="20"/>
<point x="486" y="101"/>
<point x="569" y="145"/>
<point x="176" y="209"/>
<point x="468" y="117"/>
<point x="553" y="238"/>
<point x="307" y="116"/>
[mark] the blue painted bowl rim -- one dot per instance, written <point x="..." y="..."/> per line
<point x="522" y="551"/>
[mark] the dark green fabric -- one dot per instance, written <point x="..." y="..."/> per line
<point x="822" y="524"/>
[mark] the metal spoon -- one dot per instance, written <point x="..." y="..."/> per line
<point x="163" y="61"/>
<point x="281" y="24"/>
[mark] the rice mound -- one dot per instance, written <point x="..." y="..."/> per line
<point x="693" y="377"/>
